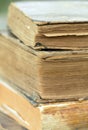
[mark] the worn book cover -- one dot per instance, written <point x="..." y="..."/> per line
<point x="50" y="24"/>
<point x="44" y="74"/>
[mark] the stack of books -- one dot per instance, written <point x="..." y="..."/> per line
<point x="44" y="65"/>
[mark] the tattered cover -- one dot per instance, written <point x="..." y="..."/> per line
<point x="44" y="74"/>
<point x="50" y="24"/>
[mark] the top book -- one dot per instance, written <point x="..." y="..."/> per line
<point x="50" y="24"/>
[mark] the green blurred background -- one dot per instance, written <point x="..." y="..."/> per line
<point x="3" y="12"/>
<point x="4" y="5"/>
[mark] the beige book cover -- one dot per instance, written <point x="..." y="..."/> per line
<point x="68" y="115"/>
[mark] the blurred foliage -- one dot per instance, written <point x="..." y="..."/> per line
<point x="4" y="5"/>
<point x="3" y="12"/>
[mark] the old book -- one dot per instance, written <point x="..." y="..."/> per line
<point x="7" y="123"/>
<point x="54" y="24"/>
<point x="44" y="74"/>
<point x="72" y="115"/>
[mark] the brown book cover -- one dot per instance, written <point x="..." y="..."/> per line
<point x="44" y="74"/>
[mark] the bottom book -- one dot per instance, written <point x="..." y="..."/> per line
<point x="7" y="123"/>
<point x="70" y="115"/>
